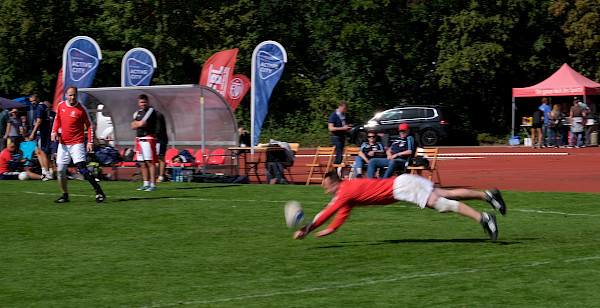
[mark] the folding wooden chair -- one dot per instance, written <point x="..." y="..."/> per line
<point x="431" y="155"/>
<point x="322" y="161"/>
<point x="350" y="154"/>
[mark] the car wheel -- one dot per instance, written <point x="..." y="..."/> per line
<point x="429" y="137"/>
<point x="360" y="138"/>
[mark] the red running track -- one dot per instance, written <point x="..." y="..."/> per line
<point x="507" y="168"/>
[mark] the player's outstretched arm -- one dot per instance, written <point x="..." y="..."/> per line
<point x="300" y="234"/>
<point x="324" y="232"/>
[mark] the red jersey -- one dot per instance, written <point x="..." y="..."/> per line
<point x="5" y="157"/>
<point x="358" y="192"/>
<point x="73" y="120"/>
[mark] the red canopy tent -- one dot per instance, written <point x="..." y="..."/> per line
<point x="564" y="82"/>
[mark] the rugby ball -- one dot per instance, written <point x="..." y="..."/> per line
<point x="294" y="214"/>
<point x="23" y="176"/>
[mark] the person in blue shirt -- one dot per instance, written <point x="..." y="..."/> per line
<point x="40" y="134"/>
<point x="545" y="128"/>
<point x="398" y="153"/>
<point x="338" y="127"/>
<point x="368" y="151"/>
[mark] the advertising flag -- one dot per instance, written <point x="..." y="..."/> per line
<point x="137" y="68"/>
<point x="59" y="90"/>
<point x="218" y="71"/>
<point x="81" y="58"/>
<point x="238" y="87"/>
<point x="268" y="61"/>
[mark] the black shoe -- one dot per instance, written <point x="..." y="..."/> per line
<point x="100" y="198"/>
<point x="495" y="199"/>
<point x="62" y="199"/>
<point x="359" y="175"/>
<point x="488" y="221"/>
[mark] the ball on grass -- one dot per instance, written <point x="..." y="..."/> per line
<point x="23" y="176"/>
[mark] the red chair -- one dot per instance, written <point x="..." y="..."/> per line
<point x="198" y="157"/>
<point x="169" y="157"/>
<point x="217" y="157"/>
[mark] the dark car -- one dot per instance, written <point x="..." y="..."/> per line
<point x="427" y="124"/>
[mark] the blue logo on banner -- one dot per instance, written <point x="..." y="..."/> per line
<point x="270" y="58"/>
<point x="81" y="58"/>
<point x="138" y="67"/>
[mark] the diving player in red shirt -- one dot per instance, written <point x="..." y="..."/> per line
<point x="73" y="119"/>
<point x="411" y="188"/>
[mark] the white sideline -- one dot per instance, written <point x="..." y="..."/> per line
<point x="283" y="201"/>
<point x="369" y="282"/>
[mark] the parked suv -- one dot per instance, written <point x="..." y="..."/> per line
<point x="427" y="124"/>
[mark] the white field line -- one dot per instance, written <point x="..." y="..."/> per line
<point x="283" y="201"/>
<point x="375" y="281"/>
<point x="503" y="154"/>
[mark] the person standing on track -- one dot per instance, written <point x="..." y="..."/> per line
<point x="410" y="188"/>
<point x="72" y="119"/>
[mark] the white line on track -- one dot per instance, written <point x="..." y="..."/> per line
<point x="503" y="154"/>
<point x="370" y="282"/>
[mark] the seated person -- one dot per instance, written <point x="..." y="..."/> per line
<point x="8" y="169"/>
<point x="398" y="153"/>
<point x="368" y="150"/>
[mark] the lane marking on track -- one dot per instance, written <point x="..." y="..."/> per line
<point x="376" y="281"/>
<point x="503" y="154"/>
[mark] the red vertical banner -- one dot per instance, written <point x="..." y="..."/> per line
<point x="238" y="87"/>
<point x="217" y="72"/>
<point x="59" y="90"/>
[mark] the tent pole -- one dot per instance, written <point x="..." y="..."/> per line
<point x="512" y="132"/>
<point x="202" y="130"/>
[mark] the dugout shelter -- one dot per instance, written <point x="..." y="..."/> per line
<point x="197" y="116"/>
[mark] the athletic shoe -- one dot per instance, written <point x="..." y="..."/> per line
<point x="359" y="175"/>
<point x="45" y="177"/>
<point x="495" y="199"/>
<point x="488" y="221"/>
<point x="151" y="188"/>
<point x="62" y="199"/>
<point x="144" y="187"/>
<point x="100" y="198"/>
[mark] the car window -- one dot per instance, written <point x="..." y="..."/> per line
<point x="429" y="113"/>
<point x="390" y="115"/>
<point x="412" y="113"/>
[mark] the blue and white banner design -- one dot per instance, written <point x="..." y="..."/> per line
<point x="81" y="58"/>
<point x="268" y="60"/>
<point x="137" y="68"/>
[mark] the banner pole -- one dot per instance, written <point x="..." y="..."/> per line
<point x="202" y="129"/>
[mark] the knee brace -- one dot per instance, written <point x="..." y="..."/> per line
<point x="82" y="168"/>
<point x="444" y="205"/>
<point x="61" y="171"/>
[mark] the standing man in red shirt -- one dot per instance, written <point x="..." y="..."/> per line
<point x="72" y="119"/>
<point x="410" y="188"/>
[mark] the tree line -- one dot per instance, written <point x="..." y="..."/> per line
<point x="465" y="55"/>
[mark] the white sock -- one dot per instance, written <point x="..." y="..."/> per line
<point x="152" y="184"/>
<point x="44" y="171"/>
<point x="161" y="178"/>
<point x="146" y="183"/>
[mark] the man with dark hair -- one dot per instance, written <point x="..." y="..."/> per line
<point x="338" y="127"/>
<point x="40" y="134"/>
<point x="144" y="122"/>
<point x="72" y="119"/>
<point x="410" y="188"/>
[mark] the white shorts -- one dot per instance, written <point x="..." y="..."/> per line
<point x="413" y="188"/>
<point x="146" y="151"/>
<point x="67" y="152"/>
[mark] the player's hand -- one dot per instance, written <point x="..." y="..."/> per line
<point x="31" y="136"/>
<point x="299" y="235"/>
<point x="90" y="147"/>
<point x="54" y="137"/>
<point x="324" y="232"/>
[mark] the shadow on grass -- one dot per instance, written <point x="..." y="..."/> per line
<point x="387" y="242"/>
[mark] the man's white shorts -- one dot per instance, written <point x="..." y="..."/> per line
<point x="413" y="188"/>
<point x="146" y="151"/>
<point x="72" y="151"/>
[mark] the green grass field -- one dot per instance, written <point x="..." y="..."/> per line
<point x="216" y="245"/>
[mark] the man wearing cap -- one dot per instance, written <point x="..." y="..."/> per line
<point x="398" y="153"/>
